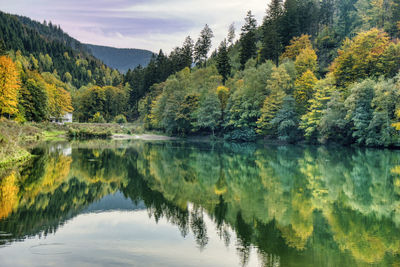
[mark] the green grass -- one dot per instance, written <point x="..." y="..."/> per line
<point x="55" y="135"/>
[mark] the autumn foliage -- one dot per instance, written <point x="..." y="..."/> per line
<point x="9" y="86"/>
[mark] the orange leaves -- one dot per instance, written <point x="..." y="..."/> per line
<point x="9" y="86"/>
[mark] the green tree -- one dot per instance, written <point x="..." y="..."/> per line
<point x="333" y="125"/>
<point x="203" y="46"/>
<point x="286" y="121"/>
<point x="359" y="109"/>
<point x="271" y="41"/>
<point x="208" y="113"/>
<point x="33" y="100"/>
<point x="231" y="34"/>
<point x="223" y="65"/>
<point x="248" y="48"/>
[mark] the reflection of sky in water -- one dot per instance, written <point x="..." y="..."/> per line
<point x="121" y="237"/>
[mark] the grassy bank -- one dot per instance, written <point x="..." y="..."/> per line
<point x="16" y="139"/>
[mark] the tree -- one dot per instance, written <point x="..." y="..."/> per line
<point x="248" y="47"/>
<point x="297" y="45"/>
<point x="333" y="125"/>
<point x="231" y="34"/>
<point x="311" y="120"/>
<point x="3" y="50"/>
<point x="271" y="41"/>
<point x="33" y="99"/>
<point x="306" y="60"/>
<point x="380" y="129"/>
<point x="223" y="65"/>
<point x="359" y="109"/>
<point x="272" y="104"/>
<point x="187" y="52"/>
<point x="203" y="46"/>
<point x="223" y="96"/>
<point x="278" y="86"/>
<point x="208" y="113"/>
<point x="9" y="87"/>
<point x="304" y="90"/>
<point x="286" y="121"/>
<point x="361" y="57"/>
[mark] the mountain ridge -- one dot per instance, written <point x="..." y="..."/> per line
<point x="121" y="59"/>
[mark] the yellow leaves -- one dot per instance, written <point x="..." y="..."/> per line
<point x="297" y="44"/>
<point x="59" y="100"/>
<point x="9" y="86"/>
<point x="397" y="124"/>
<point x="360" y="57"/>
<point x="223" y="95"/>
<point x="304" y="90"/>
<point x="306" y="60"/>
<point x="8" y="194"/>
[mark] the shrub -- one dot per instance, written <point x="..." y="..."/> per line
<point x="120" y="119"/>
<point x="241" y="135"/>
<point x="97" y="118"/>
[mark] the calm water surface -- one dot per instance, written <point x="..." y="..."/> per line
<point x="138" y="203"/>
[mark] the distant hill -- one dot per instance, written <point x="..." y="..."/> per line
<point x="121" y="59"/>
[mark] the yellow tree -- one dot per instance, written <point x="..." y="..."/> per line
<point x="303" y="90"/>
<point x="361" y="57"/>
<point x="297" y="44"/>
<point x="9" y="87"/>
<point x="278" y="86"/>
<point x="311" y="120"/>
<point x="306" y="60"/>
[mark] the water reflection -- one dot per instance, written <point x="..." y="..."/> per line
<point x="291" y="205"/>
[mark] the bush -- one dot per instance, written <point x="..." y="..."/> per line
<point x="120" y="119"/>
<point x="98" y="118"/>
<point x="241" y="135"/>
<point x="88" y="134"/>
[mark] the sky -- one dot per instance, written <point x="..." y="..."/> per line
<point x="144" y="24"/>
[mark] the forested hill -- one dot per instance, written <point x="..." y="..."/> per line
<point x="121" y="59"/>
<point x="52" y="49"/>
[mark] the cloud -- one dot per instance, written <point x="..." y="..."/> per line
<point x="146" y="24"/>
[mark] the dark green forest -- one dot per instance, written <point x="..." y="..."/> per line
<point x="121" y="59"/>
<point x="315" y="71"/>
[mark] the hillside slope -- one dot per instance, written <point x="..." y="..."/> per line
<point x="121" y="59"/>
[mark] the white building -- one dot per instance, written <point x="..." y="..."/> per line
<point x="66" y="118"/>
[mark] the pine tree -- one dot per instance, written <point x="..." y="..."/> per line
<point x="187" y="52"/>
<point x="223" y="65"/>
<point x="248" y="48"/>
<point x="272" y="40"/>
<point x="203" y="46"/>
<point x="231" y="34"/>
<point x="3" y="50"/>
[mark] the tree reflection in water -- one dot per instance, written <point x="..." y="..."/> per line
<point x="292" y="204"/>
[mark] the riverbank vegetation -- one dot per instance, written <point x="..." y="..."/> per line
<point x="315" y="71"/>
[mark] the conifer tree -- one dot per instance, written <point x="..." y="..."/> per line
<point x="248" y="48"/>
<point x="223" y="65"/>
<point x="203" y="46"/>
<point x="271" y="41"/>
<point x="187" y="52"/>
<point x="231" y="34"/>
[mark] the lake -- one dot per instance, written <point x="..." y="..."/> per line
<point x="176" y="203"/>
